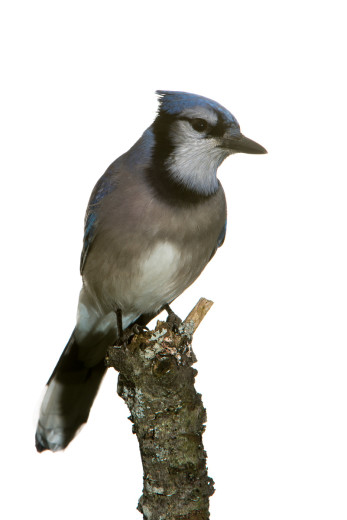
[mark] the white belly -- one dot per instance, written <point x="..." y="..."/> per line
<point x="156" y="281"/>
<point x="156" y="278"/>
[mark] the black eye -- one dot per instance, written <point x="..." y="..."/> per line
<point x="200" y="125"/>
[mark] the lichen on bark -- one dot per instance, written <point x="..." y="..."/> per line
<point x="156" y="380"/>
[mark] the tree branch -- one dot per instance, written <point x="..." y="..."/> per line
<point x="156" y="380"/>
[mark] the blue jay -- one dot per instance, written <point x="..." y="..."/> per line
<point x="154" y="220"/>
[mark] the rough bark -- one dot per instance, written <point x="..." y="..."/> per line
<point x="156" y="380"/>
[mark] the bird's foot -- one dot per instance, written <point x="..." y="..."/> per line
<point x="172" y="320"/>
<point x="125" y="336"/>
<point x="134" y="330"/>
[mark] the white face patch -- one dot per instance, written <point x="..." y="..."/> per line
<point x="196" y="158"/>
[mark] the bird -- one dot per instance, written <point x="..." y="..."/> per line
<point x="154" y="221"/>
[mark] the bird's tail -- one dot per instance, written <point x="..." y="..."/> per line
<point x="69" y="396"/>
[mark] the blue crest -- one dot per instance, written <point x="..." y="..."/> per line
<point x="173" y="102"/>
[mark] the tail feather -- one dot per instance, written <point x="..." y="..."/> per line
<point x="70" y="393"/>
<point x="73" y="385"/>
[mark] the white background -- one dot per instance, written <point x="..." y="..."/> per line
<point x="78" y="82"/>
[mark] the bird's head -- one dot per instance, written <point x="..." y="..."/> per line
<point x="193" y="136"/>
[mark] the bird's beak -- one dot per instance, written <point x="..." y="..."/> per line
<point x="240" y="143"/>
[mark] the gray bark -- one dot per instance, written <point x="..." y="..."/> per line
<point x="156" y="380"/>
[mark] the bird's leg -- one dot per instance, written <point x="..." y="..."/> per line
<point x="120" y="326"/>
<point x="172" y="319"/>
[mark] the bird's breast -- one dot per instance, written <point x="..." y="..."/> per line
<point x="152" y="253"/>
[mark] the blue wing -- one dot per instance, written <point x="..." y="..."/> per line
<point x="220" y="239"/>
<point x="102" y="188"/>
<point x="222" y="234"/>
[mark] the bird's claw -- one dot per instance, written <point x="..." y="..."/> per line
<point x="172" y="319"/>
<point x="134" y="330"/>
